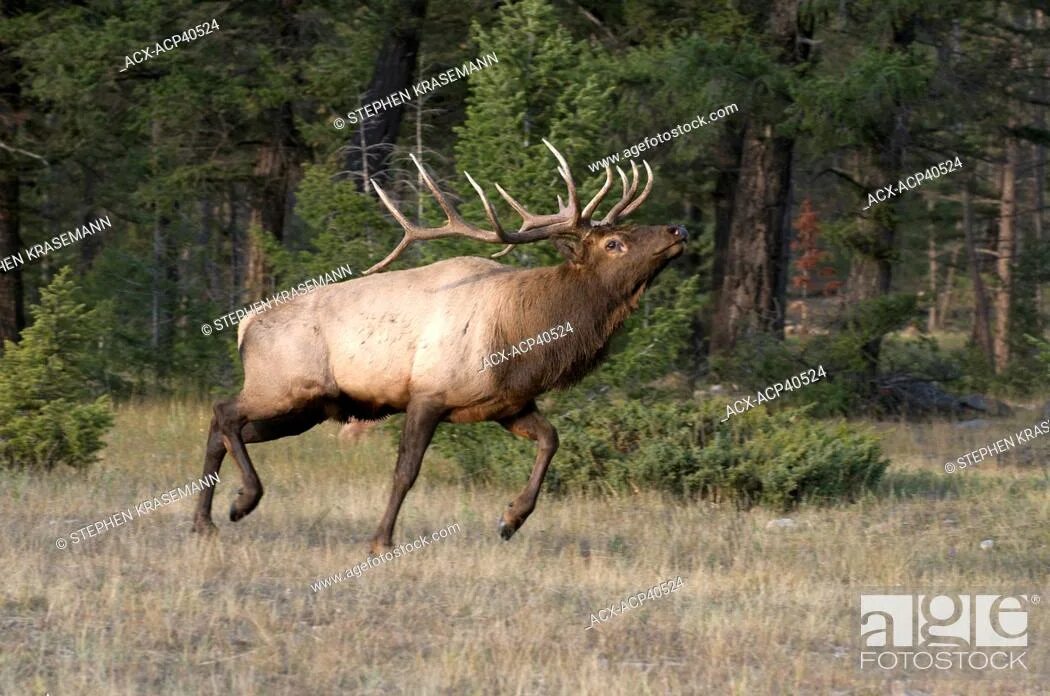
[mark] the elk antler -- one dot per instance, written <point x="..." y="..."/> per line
<point x="568" y="221"/>
<point x="625" y="207"/>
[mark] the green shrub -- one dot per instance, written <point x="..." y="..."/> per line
<point x="1043" y="353"/>
<point x="920" y="356"/>
<point x="774" y="459"/>
<point x="48" y="415"/>
<point x="848" y="390"/>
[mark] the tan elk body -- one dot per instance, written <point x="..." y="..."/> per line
<point x="413" y="341"/>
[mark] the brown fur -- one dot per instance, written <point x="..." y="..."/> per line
<point x="594" y="306"/>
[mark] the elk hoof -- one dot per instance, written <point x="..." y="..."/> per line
<point x="506" y="529"/>
<point x="205" y="527"/>
<point x="377" y="549"/>
<point x="244" y="503"/>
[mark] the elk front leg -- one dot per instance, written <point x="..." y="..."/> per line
<point x="420" y="423"/>
<point x="531" y="424"/>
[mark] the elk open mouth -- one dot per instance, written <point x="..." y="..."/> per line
<point x="679" y="245"/>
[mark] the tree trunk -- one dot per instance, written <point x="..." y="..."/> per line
<point x="394" y="70"/>
<point x="12" y="293"/>
<point x="751" y="295"/>
<point x="949" y="286"/>
<point x="1040" y="166"/>
<point x="1006" y="249"/>
<point x="748" y="302"/>
<point x="1039" y="199"/>
<point x="727" y="158"/>
<point x="982" y="334"/>
<point x="164" y="285"/>
<point x="871" y="274"/>
<point x="12" y="311"/>
<point x="164" y="276"/>
<point x="276" y="174"/>
<point x="90" y="247"/>
<point x="232" y="236"/>
<point x="277" y="167"/>
<point x="931" y="257"/>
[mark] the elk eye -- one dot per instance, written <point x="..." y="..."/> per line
<point x="612" y="244"/>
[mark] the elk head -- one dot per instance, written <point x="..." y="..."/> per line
<point x="619" y="257"/>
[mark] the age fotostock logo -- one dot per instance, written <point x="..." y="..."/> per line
<point x="945" y="633"/>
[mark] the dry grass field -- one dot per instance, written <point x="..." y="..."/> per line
<point x="147" y="608"/>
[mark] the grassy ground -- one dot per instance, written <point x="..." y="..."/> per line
<point x="148" y="608"/>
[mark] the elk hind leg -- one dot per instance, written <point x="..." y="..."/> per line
<point x="250" y="432"/>
<point x="215" y="451"/>
<point x="529" y="423"/>
<point x="231" y="421"/>
<point x="236" y="430"/>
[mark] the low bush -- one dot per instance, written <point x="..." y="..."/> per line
<point x="773" y="459"/>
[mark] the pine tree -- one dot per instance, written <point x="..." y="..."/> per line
<point x="545" y="86"/>
<point x="48" y="415"/>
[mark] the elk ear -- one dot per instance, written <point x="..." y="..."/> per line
<point x="568" y="247"/>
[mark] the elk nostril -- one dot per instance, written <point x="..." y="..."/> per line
<point x="679" y="231"/>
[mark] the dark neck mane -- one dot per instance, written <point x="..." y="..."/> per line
<point x="539" y="299"/>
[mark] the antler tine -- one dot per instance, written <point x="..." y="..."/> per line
<point x="489" y="212"/>
<point x="536" y="227"/>
<point x="401" y="219"/>
<point x="518" y="207"/>
<point x="623" y="181"/>
<point x="628" y="193"/>
<point x="644" y="194"/>
<point x="449" y="211"/>
<point x="410" y="234"/>
<point x="405" y="241"/>
<point x="566" y="175"/>
<point x="585" y="216"/>
<point x="455" y="224"/>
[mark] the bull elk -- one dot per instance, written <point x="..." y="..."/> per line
<point x="412" y="341"/>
